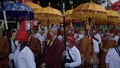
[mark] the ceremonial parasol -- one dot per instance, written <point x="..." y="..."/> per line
<point x="49" y="14"/>
<point x="15" y="10"/>
<point x="90" y="10"/>
<point x="33" y="5"/>
<point x="113" y="17"/>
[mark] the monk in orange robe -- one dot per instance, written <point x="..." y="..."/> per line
<point x="87" y="51"/>
<point x="4" y="52"/>
<point x="35" y="46"/>
<point x="107" y="43"/>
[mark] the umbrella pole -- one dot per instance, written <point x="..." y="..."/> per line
<point x="48" y="24"/>
<point x="108" y="22"/>
<point x="64" y="25"/>
<point x="6" y="24"/>
<point x="4" y="15"/>
<point x="6" y="27"/>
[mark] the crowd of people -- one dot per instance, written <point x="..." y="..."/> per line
<point x="45" y="48"/>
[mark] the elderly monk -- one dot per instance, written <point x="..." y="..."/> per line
<point x="108" y="42"/>
<point x="53" y="50"/>
<point x="4" y="51"/>
<point x="86" y="50"/>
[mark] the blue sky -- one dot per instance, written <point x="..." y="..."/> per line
<point x="113" y="1"/>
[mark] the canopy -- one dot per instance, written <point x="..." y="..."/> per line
<point x="112" y="13"/>
<point x="68" y="14"/>
<point x="90" y="10"/>
<point x="49" y="13"/>
<point x="33" y="5"/>
<point x="17" y="10"/>
<point x="113" y="17"/>
<point x="90" y="6"/>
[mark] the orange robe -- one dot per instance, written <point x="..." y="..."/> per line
<point x="35" y="46"/>
<point x="106" y="45"/>
<point x="4" y="52"/>
<point x="83" y="45"/>
<point x="86" y="49"/>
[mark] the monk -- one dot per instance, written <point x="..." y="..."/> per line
<point x="87" y="51"/>
<point x="4" y="51"/>
<point x="53" y="50"/>
<point x="35" y="46"/>
<point x="108" y="42"/>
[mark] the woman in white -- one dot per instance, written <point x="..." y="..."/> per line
<point x="113" y="57"/>
<point x="73" y="57"/>
<point x="23" y="57"/>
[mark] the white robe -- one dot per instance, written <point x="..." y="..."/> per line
<point x="96" y="46"/>
<point x="24" y="58"/>
<point x="98" y="37"/>
<point x="75" y="54"/>
<point x="113" y="59"/>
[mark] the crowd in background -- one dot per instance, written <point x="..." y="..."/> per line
<point x="44" y="48"/>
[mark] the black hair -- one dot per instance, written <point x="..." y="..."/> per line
<point x="118" y="43"/>
<point x="23" y="44"/>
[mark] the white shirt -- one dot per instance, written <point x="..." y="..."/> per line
<point x="24" y="58"/>
<point x="60" y="38"/>
<point x="96" y="46"/>
<point x="98" y="37"/>
<point x="75" y="54"/>
<point x="40" y="37"/>
<point x="113" y="59"/>
<point x="13" y="46"/>
<point x="116" y="38"/>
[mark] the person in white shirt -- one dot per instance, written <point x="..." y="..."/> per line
<point x="72" y="57"/>
<point x="95" y="46"/>
<point x="113" y="57"/>
<point x="60" y="38"/>
<point x="36" y="34"/>
<point x="98" y="37"/>
<point x="23" y="57"/>
<point x="116" y="37"/>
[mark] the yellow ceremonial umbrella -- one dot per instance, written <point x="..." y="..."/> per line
<point x="68" y="14"/>
<point x="90" y="10"/>
<point x="113" y="17"/>
<point x="33" y="5"/>
<point x="49" y="15"/>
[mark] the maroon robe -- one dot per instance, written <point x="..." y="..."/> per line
<point x="52" y="55"/>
